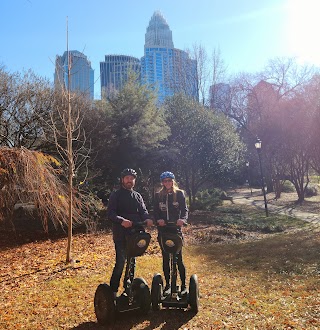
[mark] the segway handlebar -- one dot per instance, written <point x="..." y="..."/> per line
<point x="173" y="225"/>
<point x="139" y="223"/>
<point x="136" y="226"/>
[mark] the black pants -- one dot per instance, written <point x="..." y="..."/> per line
<point x="166" y="266"/>
<point x="121" y="256"/>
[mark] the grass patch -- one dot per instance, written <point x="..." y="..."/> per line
<point x="268" y="282"/>
<point x="241" y="217"/>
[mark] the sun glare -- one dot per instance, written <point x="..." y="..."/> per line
<point x="303" y="27"/>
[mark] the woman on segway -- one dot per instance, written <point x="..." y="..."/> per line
<point x="170" y="207"/>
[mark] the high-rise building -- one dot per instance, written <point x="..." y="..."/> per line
<point x="263" y="93"/>
<point x="114" y="72"/>
<point x="167" y="69"/>
<point x="220" y="97"/>
<point x="185" y="74"/>
<point x="81" y="73"/>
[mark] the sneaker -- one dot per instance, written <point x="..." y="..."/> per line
<point x="183" y="290"/>
<point x="167" y="289"/>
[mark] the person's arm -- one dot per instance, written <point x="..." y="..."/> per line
<point x="143" y="212"/>
<point x="183" y="210"/>
<point x="112" y="209"/>
<point x="156" y="210"/>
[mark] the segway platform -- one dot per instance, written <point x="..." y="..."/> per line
<point x="172" y="243"/>
<point x="136" y="295"/>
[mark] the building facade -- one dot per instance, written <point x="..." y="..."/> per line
<point x="81" y="73"/>
<point x="114" y="72"/>
<point x="164" y="68"/>
<point x="220" y="97"/>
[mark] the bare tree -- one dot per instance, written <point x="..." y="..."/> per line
<point x="236" y="99"/>
<point x="219" y="93"/>
<point x="69" y="137"/>
<point x="201" y="75"/>
<point x="197" y="75"/>
<point x="279" y="114"/>
<point x="287" y="76"/>
<point x="24" y="101"/>
<point x="263" y="105"/>
<point x="312" y="96"/>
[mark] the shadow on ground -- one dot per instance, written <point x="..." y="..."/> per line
<point x="166" y="319"/>
<point x="290" y="253"/>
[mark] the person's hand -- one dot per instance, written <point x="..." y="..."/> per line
<point x="126" y="223"/>
<point x="161" y="222"/>
<point x="181" y="222"/>
<point x="149" y="222"/>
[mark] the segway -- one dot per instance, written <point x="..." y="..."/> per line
<point x="136" y="295"/>
<point x="172" y="243"/>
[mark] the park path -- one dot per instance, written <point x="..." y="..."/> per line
<point x="254" y="198"/>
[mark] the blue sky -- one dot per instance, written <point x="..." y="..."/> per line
<point x="247" y="32"/>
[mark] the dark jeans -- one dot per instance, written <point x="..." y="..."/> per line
<point x="166" y="267"/>
<point x="121" y="255"/>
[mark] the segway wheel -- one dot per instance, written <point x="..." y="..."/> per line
<point x="141" y="294"/>
<point x="194" y="293"/>
<point x="104" y="305"/>
<point x="156" y="292"/>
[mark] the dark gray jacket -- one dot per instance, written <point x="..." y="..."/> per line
<point x="170" y="209"/>
<point x="125" y="204"/>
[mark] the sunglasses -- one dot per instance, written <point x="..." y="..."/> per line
<point x="167" y="180"/>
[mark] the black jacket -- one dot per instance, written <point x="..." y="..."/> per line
<point x="170" y="209"/>
<point x="125" y="204"/>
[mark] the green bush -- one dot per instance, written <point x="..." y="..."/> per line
<point x="312" y="190"/>
<point x="207" y="200"/>
<point x="242" y="222"/>
<point x="288" y="187"/>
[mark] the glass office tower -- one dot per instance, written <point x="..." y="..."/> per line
<point x="220" y="96"/>
<point x="114" y="72"/>
<point x="81" y="73"/>
<point x="166" y="69"/>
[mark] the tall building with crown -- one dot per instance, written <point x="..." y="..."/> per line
<point x="81" y="73"/>
<point x="167" y="69"/>
<point x="114" y="72"/>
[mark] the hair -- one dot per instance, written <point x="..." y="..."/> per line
<point x="175" y="188"/>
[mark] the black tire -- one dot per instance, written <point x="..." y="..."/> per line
<point x="141" y="294"/>
<point x="104" y="306"/>
<point x="194" y="293"/>
<point x="156" y="292"/>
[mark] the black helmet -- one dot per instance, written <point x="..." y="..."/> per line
<point x="128" y="171"/>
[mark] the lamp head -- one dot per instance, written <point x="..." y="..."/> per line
<point x="258" y="144"/>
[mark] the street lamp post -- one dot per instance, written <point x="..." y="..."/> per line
<point x="258" y="147"/>
<point x="249" y="179"/>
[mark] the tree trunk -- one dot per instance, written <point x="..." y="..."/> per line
<point x="70" y="165"/>
<point x="278" y="185"/>
<point x="300" y="193"/>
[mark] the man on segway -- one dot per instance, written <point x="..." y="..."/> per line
<point x="125" y="208"/>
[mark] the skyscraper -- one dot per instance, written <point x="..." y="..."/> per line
<point x="220" y="96"/>
<point x="81" y="73"/>
<point x="114" y="72"/>
<point x="168" y="69"/>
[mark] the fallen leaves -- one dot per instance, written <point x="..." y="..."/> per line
<point x="241" y="285"/>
